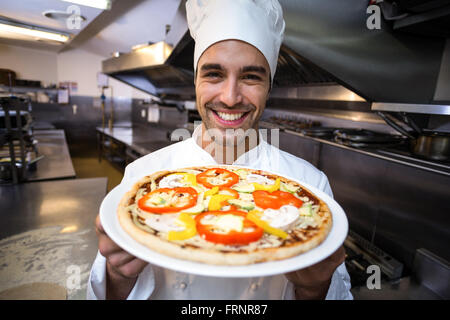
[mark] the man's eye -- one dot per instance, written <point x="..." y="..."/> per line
<point x="212" y="75"/>
<point x="252" y="77"/>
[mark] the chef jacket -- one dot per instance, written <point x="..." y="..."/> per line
<point x="155" y="282"/>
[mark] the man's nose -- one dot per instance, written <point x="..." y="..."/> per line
<point x="231" y="93"/>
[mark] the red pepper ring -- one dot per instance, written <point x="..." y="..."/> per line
<point x="233" y="237"/>
<point x="181" y="193"/>
<point x="275" y="200"/>
<point x="231" y="192"/>
<point x="227" y="190"/>
<point x="232" y="178"/>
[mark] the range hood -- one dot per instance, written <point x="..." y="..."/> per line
<point x="165" y="69"/>
<point x="328" y="49"/>
<point x="148" y="69"/>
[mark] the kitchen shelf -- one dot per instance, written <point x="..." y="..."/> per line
<point x="412" y="108"/>
<point x="21" y="89"/>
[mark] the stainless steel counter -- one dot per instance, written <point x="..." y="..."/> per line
<point x="385" y="195"/>
<point x="47" y="233"/>
<point x="405" y="289"/>
<point x="56" y="163"/>
<point x="435" y="167"/>
<point x="142" y="139"/>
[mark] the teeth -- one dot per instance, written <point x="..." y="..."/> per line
<point x="230" y="116"/>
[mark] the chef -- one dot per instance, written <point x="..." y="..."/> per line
<point x="236" y="50"/>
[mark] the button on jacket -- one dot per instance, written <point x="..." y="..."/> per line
<point x="160" y="283"/>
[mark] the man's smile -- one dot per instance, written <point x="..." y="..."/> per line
<point x="230" y="118"/>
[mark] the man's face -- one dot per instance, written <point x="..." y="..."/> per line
<point x="232" y="86"/>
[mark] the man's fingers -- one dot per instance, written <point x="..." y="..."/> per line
<point x="339" y="256"/>
<point x="120" y="258"/>
<point x="120" y="261"/>
<point x="105" y="245"/>
<point x="98" y="226"/>
<point x="133" y="268"/>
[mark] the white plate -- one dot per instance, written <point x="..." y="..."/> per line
<point x="337" y="235"/>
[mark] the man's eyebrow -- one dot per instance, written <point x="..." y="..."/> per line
<point x="211" y="66"/>
<point x="258" y="69"/>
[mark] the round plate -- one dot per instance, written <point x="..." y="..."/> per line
<point x="337" y="235"/>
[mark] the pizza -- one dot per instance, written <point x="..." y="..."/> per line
<point x="224" y="215"/>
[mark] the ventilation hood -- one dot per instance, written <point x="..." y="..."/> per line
<point x="327" y="48"/>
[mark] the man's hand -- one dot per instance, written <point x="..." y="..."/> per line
<point x="122" y="269"/>
<point x="313" y="282"/>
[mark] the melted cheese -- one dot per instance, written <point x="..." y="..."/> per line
<point x="251" y="177"/>
<point x="172" y="181"/>
<point x="164" y="222"/>
<point x="283" y="218"/>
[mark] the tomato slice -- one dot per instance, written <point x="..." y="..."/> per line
<point x="275" y="200"/>
<point x="233" y="237"/>
<point x="230" y="177"/>
<point x="171" y="200"/>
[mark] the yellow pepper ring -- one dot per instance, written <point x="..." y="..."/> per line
<point x="190" y="230"/>
<point x="212" y="191"/>
<point x="269" y="188"/>
<point x="216" y="201"/>
<point x="188" y="177"/>
<point x="254" y="216"/>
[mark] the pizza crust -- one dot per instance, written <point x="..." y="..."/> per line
<point x="181" y="250"/>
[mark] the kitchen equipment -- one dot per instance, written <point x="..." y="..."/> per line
<point x="28" y="83"/>
<point x="432" y="145"/>
<point x="426" y="144"/>
<point x="6" y="167"/>
<point x="394" y="125"/>
<point x="25" y="119"/>
<point x="361" y="253"/>
<point x="362" y="138"/>
<point x="7" y="77"/>
<point x="364" y="135"/>
<point x="406" y="119"/>
<point x="293" y="123"/>
<point x="319" y="132"/>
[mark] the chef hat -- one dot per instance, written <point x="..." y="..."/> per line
<point x="257" y="22"/>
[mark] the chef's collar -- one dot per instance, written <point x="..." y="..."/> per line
<point x="247" y="159"/>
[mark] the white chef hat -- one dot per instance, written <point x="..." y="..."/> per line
<point x="257" y="22"/>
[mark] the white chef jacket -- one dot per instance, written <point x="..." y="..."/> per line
<point x="155" y="282"/>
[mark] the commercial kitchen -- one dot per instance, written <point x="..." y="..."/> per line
<point x="362" y="92"/>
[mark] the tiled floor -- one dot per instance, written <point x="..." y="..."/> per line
<point x="86" y="164"/>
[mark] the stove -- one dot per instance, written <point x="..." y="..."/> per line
<point x="360" y="254"/>
<point x="362" y="138"/>
<point x="293" y="123"/>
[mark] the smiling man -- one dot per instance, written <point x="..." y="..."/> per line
<point x="232" y="86"/>
<point x="236" y="51"/>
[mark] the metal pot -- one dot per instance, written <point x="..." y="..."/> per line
<point x="432" y="145"/>
<point x="425" y="144"/>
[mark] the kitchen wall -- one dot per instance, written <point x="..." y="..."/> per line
<point x="30" y="64"/>
<point x="82" y="67"/>
<point x="76" y="65"/>
<point x="82" y="114"/>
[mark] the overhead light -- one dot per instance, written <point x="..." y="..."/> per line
<point x="29" y="31"/>
<point x="140" y="46"/>
<point x="158" y="52"/>
<point x="61" y="16"/>
<point x="99" y="4"/>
